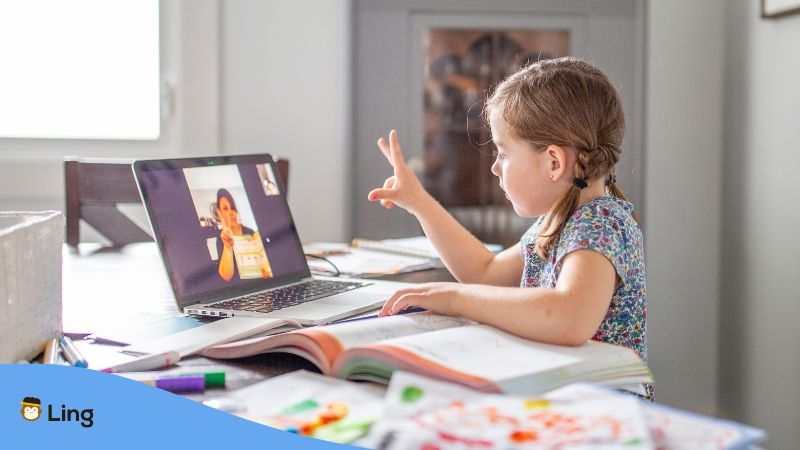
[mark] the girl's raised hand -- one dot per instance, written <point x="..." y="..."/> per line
<point x="403" y="188"/>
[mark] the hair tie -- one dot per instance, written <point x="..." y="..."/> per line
<point x="611" y="180"/>
<point x="580" y="183"/>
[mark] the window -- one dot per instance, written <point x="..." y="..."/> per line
<point x="83" y="69"/>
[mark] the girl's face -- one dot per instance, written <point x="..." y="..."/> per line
<point x="524" y="172"/>
<point x="228" y="214"/>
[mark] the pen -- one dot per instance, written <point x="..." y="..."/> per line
<point x="52" y="352"/>
<point x="71" y="353"/>
<point x="148" y="362"/>
<point x="414" y="309"/>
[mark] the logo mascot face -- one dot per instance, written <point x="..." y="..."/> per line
<point x="31" y="408"/>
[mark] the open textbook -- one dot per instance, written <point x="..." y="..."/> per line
<point x="448" y="348"/>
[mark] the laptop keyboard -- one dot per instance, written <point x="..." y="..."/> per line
<point x="276" y="299"/>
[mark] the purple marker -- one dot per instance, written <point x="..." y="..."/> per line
<point x="180" y="385"/>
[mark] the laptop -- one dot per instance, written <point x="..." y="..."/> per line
<point x="230" y="247"/>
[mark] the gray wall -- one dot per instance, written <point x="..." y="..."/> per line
<point x="760" y="303"/>
<point x="285" y="90"/>
<point x="682" y="191"/>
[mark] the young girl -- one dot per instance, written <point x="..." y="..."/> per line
<point x="558" y="127"/>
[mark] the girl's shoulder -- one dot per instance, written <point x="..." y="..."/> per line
<point x="606" y="209"/>
<point x="605" y="225"/>
<point x="605" y="219"/>
<point x="606" y="215"/>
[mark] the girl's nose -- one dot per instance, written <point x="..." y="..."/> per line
<point x="496" y="168"/>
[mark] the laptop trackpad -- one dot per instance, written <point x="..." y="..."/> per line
<point x="354" y="299"/>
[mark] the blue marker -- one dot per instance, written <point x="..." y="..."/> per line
<point x="413" y="309"/>
<point x="71" y="353"/>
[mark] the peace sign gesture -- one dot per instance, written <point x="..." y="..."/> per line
<point x="403" y="188"/>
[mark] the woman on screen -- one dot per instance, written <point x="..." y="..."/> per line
<point x="240" y="248"/>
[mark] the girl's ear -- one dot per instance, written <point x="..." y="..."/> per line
<point x="558" y="161"/>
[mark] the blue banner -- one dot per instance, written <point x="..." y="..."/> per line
<point x="49" y="406"/>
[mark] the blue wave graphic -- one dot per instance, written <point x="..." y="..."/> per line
<point x="125" y="414"/>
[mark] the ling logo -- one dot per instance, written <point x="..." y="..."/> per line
<point x="31" y="408"/>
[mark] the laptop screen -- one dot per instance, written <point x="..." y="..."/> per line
<point x="222" y="225"/>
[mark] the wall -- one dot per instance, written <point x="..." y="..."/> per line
<point x="759" y="360"/>
<point x="682" y="190"/>
<point x="31" y="170"/>
<point x="285" y="90"/>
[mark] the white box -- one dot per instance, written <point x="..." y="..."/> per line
<point x="30" y="282"/>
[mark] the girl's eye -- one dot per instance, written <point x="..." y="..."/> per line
<point x="497" y="154"/>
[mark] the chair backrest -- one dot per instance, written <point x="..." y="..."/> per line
<point x="94" y="188"/>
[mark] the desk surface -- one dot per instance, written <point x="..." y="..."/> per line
<point x="104" y="286"/>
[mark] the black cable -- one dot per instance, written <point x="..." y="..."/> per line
<point x="336" y="274"/>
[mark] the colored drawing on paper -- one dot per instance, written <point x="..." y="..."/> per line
<point x="305" y="405"/>
<point x="469" y="424"/>
<point x="411" y="394"/>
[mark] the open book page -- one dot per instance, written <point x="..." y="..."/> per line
<point x="423" y="413"/>
<point x="322" y="344"/>
<point x="507" y="363"/>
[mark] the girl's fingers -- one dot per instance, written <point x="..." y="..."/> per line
<point x="398" y="306"/>
<point x="388" y="306"/>
<point x="407" y="301"/>
<point x="384" y="146"/>
<point x="388" y="184"/>
<point x="382" y="194"/>
<point x="395" y="151"/>
<point x="402" y="292"/>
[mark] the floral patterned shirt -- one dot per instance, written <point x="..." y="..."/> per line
<point x="605" y="225"/>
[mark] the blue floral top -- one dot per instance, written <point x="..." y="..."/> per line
<point x="606" y="226"/>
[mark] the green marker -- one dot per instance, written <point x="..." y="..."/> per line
<point x="214" y="379"/>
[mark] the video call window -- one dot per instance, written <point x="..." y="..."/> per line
<point x="268" y="179"/>
<point x="225" y="215"/>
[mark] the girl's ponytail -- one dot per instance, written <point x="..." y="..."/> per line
<point x="613" y="189"/>
<point x="553" y="222"/>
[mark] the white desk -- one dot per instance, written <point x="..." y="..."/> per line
<point x="106" y="286"/>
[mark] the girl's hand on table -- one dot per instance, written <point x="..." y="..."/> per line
<point x="438" y="298"/>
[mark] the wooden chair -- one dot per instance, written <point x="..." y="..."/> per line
<point x="94" y="188"/>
